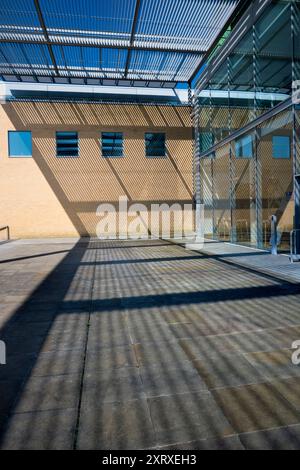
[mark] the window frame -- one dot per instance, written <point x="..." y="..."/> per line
<point x="56" y="141"/>
<point x="15" y="131"/>
<point x="122" y="144"/>
<point x="165" y="146"/>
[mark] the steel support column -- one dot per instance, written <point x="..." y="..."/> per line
<point x="258" y="192"/>
<point x="196" y="160"/>
<point x="232" y="173"/>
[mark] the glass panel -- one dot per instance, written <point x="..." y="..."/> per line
<point x="19" y="144"/>
<point x="281" y="146"/>
<point x="222" y="211"/>
<point x="66" y="144"/>
<point x="241" y="83"/>
<point x="296" y="158"/>
<point x="155" y="144"/>
<point x="277" y="178"/>
<point x="243" y="188"/>
<point x="244" y="191"/>
<point x="220" y="118"/>
<point x="274" y="50"/>
<point x="206" y="195"/>
<point x="112" y="144"/>
<point x="296" y="21"/>
<point x="205" y="133"/>
<point x="296" y="77"/>
<point x="244" y="147"/>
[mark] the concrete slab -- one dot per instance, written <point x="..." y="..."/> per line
<point x="49" y="393"/>
<point x="170" y="379"/>
<point x="286" y="438"/>
<point x="17" y="367"/>
<point x="164" y="354"/>
<point x="46" y="430"/>
<point x="255" y="407"/>
<point x="110" y="358"/>
<point x="109" y="386"/>
<point x="128" y="425"/>
<point x="274" y="364"/>
<point x="65" y="362"/>
<point x="226" y="370"/>
<point x="187" y="417"/>
<point x="289" y="389"/>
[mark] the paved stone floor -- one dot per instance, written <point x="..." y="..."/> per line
<point x="251" y="258"/>
<point x="144" y="344"/>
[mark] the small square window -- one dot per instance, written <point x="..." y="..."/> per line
<point x="19" y="144"/>
<point x="155" y="144"/>
<point x="243" y="147"/>
<point x="66" y="144"/>
<point x="281" y="146"/>
<point x="112" y="144"/>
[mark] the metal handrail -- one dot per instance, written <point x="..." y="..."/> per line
<point x="6" y="227"/>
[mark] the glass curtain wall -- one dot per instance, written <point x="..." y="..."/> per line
<point x="296" y="130"/>
<point x="274" y="153"/>
<point x="251" y="177"/>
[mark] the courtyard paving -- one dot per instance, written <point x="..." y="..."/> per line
<point x="144" y="345"/>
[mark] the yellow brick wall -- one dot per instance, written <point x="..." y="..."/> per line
<point x="49" y="196"/>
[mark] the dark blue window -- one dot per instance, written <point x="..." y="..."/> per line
<point x="19" y="144"/>
<point x="243" y="147"/>
<point x="155" y="144"/>
<point x="67" y="144"/>
<point x="281" y="146"/>
<point x="112" y="144"/>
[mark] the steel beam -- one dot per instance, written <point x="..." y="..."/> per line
<point x="129" y="81"/>
<point x="45" y="32"/>
<point x="133" y="30"/>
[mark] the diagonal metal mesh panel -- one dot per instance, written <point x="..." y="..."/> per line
<point x="221" y="187"/>
<point x="277" y="177"/>
<point x="207" y="194"/>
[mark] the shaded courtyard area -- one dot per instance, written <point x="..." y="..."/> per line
<point x="142" y="345"/>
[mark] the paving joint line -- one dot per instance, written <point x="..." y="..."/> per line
<point x="76" y="432"/>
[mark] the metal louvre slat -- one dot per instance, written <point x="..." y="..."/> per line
<point x="138" y="39"/>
